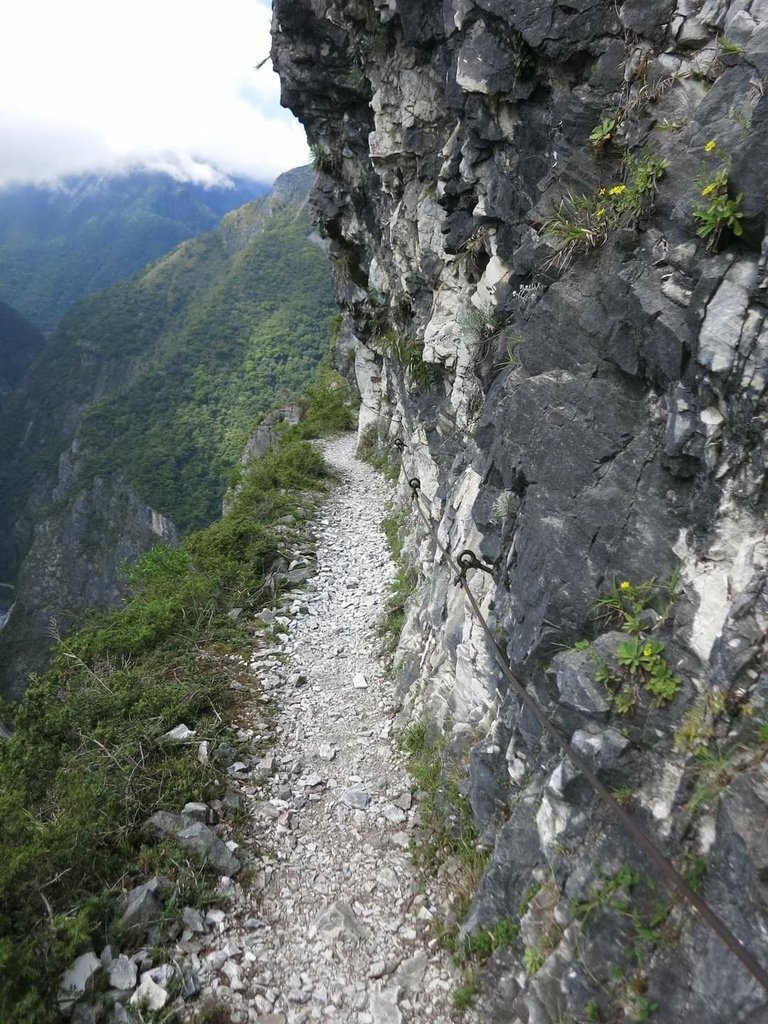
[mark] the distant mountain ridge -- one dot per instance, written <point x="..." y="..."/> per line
<point x="61" y="242"/>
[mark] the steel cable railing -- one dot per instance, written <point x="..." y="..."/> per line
<point x="466" y="560"/>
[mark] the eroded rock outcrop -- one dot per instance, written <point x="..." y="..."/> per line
<point x="547" y="222"/>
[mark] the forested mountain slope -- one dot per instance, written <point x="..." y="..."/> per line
<point x="19" y="344"/>
<point x="63" y="241"/>
<point x="131" y="422"/>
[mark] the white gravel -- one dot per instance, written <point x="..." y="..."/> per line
<point x="335" y="928"/>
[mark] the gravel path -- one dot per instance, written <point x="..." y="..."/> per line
<point x="339" y="930"/>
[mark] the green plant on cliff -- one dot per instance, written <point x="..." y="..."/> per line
<point x="523" y="57"/>
<point x="510" y="358"/>
<point x="629" y="905"/>
<point x="448" y="833"/>
<point x="642" y="175"/>
<point x="478" y="945"/>
<point x="728" y="47"/>
<point x="603" y="133"/>
<point x="356" y="79"/>
<point x="720" y="213"/>
<point x="698" y="726"/>
<point x="642" y="659"/>
<point x="409" y="353"/>
<point x="478" y="325"/>
<point x="448" y="829"/>
<point x="401" y="587"/>
<point x="467" y="991"/>
<point x="577" y="225"/>
<point x="324" y="162"/>
<point x="470" y="253"/>
<point x="378" y="454"/>
<point x="583" y="222"/>
<point x="715" y="765"/>
<point x="626" y="602"/>
<point x="639" y="659"/>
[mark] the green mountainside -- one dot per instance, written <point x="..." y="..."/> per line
<point x="250" y="336"/>
<point x="165" y="374"/>
<point x="59" y="243"/>
<point x="19" y="344"/>
<point x="131" y="422"/>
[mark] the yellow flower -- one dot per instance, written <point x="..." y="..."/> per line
<point x="710" y="145"/>
<point x="617" y="190"/>
<point x="600" y="212"/>
<point x="647" y="651"/>
<point x="625" y="585"/>
<point x="708" y="189"/>
<point x="601" y="191"/>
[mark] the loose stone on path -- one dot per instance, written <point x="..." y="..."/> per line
<point x="336" y="930"/>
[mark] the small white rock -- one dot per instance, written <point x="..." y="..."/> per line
<point x="149" y="995"/>
<point x="179" y="733"/>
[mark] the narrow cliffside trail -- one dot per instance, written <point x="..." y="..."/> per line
<point x="336" y="928"/>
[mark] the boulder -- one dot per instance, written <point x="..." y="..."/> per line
<point x="213" y="853"/>
<point x="149" y="995"/>
<point x="122" y="973"/>
<point x="142" y="907"/>
<point x="76" y="980"/>
<point x="337" y="923"/>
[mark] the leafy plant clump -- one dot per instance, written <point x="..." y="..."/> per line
<point x="603" y="133"/>
<point x="410" y="355"/>
<point x="382" y="458"/>
<point x="583" y="222"/>
<point x="640" y="658"/>
<point x="721" y="212"/>
<point x="402" y="586"/>
<point x="88" y="763"/>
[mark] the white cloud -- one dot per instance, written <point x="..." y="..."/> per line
<point x="104" y="84"/>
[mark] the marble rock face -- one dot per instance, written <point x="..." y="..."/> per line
<point x="579" y="417"/>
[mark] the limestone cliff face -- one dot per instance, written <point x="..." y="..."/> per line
<point x="580" y="380"/>
<point x="82" y="544"/>
<point x="67" y="546"/>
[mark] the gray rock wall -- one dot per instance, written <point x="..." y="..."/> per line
<point x="580" y="419"/>
<point x="83" y="542"/>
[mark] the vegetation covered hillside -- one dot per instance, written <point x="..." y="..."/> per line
<point x="141" y="403"/>
<point x="89" y="759"/>
<point x="165" y="374"/>
<point x="59" y="243"/>
<point x="19" y="344"/>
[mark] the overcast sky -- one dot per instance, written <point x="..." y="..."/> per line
<point x="102" y="84"/>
